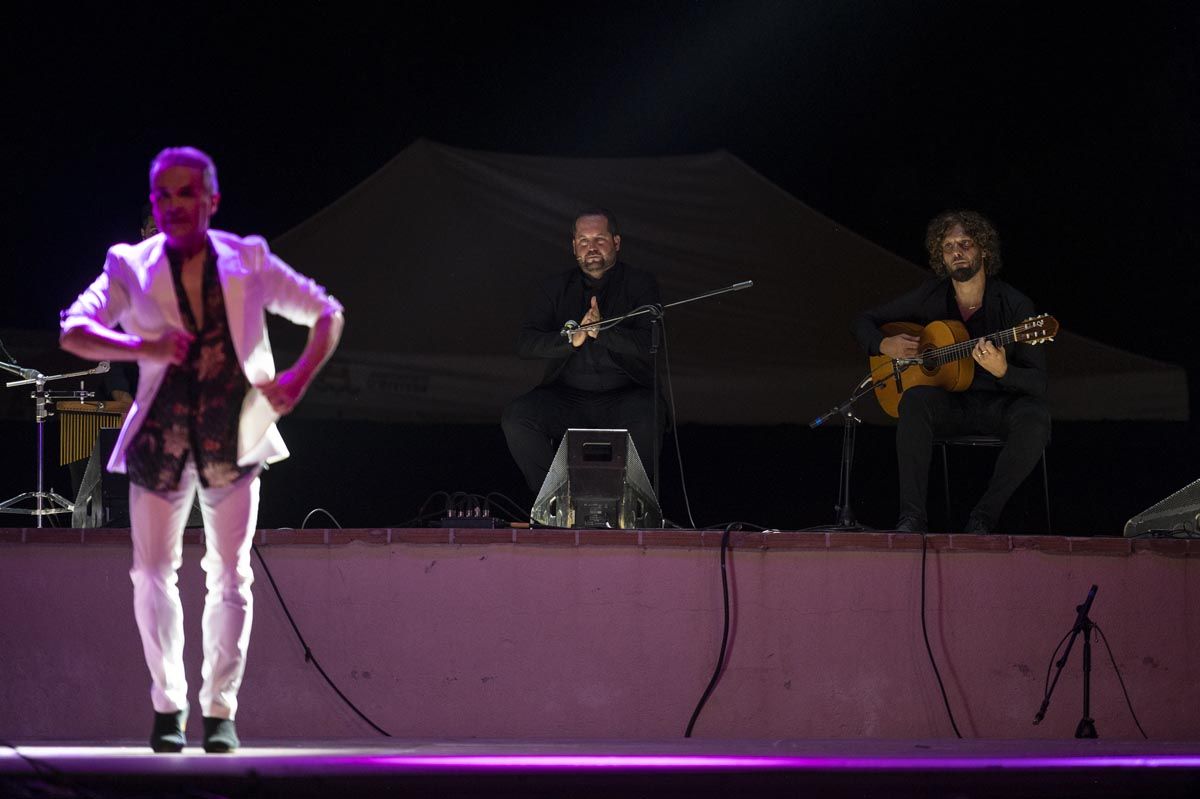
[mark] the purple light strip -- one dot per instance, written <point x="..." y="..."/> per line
<point x="735" y="763"/>
<point x="316" y="761"/>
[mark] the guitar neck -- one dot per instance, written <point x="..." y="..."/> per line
<point x="962" y="349"/>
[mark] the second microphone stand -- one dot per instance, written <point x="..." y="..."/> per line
<point x="846" y="522"/>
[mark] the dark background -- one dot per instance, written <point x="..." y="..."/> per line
<point x="1074" y="128"/>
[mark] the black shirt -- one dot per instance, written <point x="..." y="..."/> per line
<point x="565" y="297"/>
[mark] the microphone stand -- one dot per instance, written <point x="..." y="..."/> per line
<point x="656" y="313"/>
<point x="845" y="520"/>
<point x="43" y="404"/>
<point x="1087" y="726"/>
<point x="655" y="333"/>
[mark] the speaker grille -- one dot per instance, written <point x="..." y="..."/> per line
<point x="1179" y="512"/>
<point x="597" y="480"/>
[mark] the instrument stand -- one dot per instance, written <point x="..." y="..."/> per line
<point x="1087" y="725"/>
<point x="846" y="522"/>
<point x="43" y="402"/>
<point x="845" y="519"/>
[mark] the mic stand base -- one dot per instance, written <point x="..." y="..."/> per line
<point x="842" y="527"/>
<point x="1086" y="729"/>
<point x="64" y="504"/>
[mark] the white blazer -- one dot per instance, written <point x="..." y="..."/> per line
<point x="136" y="292"/>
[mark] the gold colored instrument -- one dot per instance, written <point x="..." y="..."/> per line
<point x="79" y="423"/>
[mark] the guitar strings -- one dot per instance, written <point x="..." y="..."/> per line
<point x="961" y="349"/>
<point x="957" y="351"/>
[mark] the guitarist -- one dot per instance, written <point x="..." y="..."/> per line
<point x="1006" y="396"/>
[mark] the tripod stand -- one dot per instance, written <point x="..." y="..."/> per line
<point x="1087" y="726"/>
<point x="43" y="409"/>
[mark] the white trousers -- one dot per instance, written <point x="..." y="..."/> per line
<point x="157" y="519"/>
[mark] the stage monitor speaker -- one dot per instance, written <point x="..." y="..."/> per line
<point x="1178" y="513"/>
<point x="103" y="498"/>
<point x="597" y="481"/>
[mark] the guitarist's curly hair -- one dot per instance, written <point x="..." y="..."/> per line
<point x="977" y="226"/>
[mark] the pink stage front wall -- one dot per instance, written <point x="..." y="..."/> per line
<point x="541" y="634"/>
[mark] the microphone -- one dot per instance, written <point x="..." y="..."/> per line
<point x="908" y="361"/>
<point x="102" y="367"/>
<point x="569" y="327"/>
<point x="745" y="284"/>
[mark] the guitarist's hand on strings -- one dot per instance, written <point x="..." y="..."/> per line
<point x="990" y="357"/>
<point x="902" y="345"/>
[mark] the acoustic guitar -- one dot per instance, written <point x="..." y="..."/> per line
<point x="944" y="356"/>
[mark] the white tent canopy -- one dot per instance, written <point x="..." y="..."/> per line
<point x="434" y="255"/>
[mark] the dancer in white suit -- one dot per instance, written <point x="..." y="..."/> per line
<point x="190" y="303"/>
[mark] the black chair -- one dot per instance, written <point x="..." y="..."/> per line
<point x="994" y="443"/>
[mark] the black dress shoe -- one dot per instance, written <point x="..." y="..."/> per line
<point x="167" y="734"/>
<point x="911" y="524"/>
<point x="977" y="526"/>
<point x="220" y="736"/>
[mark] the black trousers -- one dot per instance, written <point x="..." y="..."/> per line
<point x="927" y="412"/>
<point x="535" y="423"/>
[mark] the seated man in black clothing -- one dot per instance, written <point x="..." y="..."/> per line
<point x="1005" y="399"/>
<point x="594" y="379"/>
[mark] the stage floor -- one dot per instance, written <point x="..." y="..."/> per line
<point x="378" y="767"/>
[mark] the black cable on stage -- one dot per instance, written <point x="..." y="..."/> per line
<point x="309" y="657"/>
<point x="304" y="524"/>
<point x="40" y="768"/>
<point x="460" y="500"/>
<point x="422" y="515"/>
<point x="925" y="633"/>
<point x="8" y="354"/>
<point x="675" y="423"/>
<point x="716" y="675"/>
<point x="1128" y="703"/>
<point x="430" y="498"/>
<point x="1050" y="665"/>
<point x="55" y="781"/>
<point x="464" y="501"/>
<point x="520" y="515"/>
<point x="758" y="528"/>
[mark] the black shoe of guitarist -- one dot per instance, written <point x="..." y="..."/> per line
<point x="911" y="524"/>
